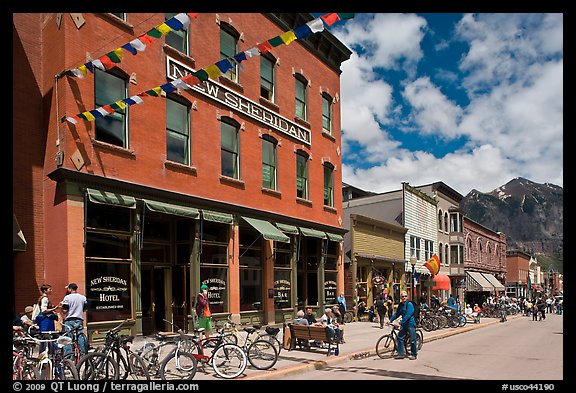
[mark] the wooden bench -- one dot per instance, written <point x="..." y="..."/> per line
<point x="304" y="334"/>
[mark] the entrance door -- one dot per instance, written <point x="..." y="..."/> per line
<point x="153" y="299"/>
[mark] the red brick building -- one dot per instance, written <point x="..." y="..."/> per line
<point x="484" y="261"/>
<point x="234" y="182"/>
<point x="517" y="272"/>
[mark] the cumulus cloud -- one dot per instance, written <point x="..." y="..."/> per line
<point x="511" y="123"/>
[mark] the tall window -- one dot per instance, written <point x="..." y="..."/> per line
<point x="113" y="128"/>
<point x="439" y="220"/>
<point x="415" y="247"/>
<point x="214" y="263"/>
<point x="428" y="249"/>
<point x="228" y="48"/>
<point x="282" y="275"/>
<point x="268" y="162"/>
<point x="177" y="132"/>
<point x="230" y="158"/>
<point x="177" y="39"/>
<point x="301" y="97"/>
<point x="267" y="78"/>
<point x="328" y="184"/>
<point x="327" y="113"/>
<point x="302" y="175"/>
<point x="250" y="249"/>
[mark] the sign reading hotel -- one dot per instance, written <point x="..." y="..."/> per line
<point x="218" y="92"/>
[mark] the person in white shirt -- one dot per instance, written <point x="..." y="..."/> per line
<point x="73" y="307"/>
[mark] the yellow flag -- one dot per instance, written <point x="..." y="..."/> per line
<point x="288" y="37"/>
<point x="164" y="28"/>
<point x="213" y="71"/>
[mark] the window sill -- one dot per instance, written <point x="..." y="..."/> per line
<point x="301" y="121"/>
<point x="183" y="57"/>
<point x="269" y="104"/>
<point x="305" y="202"/>
<point x="176" y="166"/>
<point x="327" y="135"/>
<point x="232" y="182"/>
<point x="269" y="191"/>
<point x="330" y="209"/>
<point x="233" y="85"/>
<point x="114" y="148"/>
<point x="118" y="21"/>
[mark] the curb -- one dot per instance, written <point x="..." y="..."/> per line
<point x="364" y="353"/>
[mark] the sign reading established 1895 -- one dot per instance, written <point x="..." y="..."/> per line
<point x="216" y="91"/>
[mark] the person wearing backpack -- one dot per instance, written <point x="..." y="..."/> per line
<point x="407" y="325"/>
<point x="382" y="309"/>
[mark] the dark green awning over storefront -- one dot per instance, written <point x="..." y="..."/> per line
<point x="111" y="198"/>
<point x="334" y="237"/>
<point x="312" y="233"/>
<point x="177" y="210"/>
<point x="288" y="228"/>
<point x="224" y="218"/>
<point x="268" y="231"/>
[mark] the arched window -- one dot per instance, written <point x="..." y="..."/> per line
<point x="110" y="87"/>
<point x="328" y="184"/>
<point x="177" y="130"/>
<point x="230" y="149"/>
<point x="267" y="77"/>
<point x="269" y="162"/>
<point x="326" y="113"/>
<point x="439" y="220"/>
<point x="446" y="221"/>
<point x="228" y="48"/>
<point x="301" y="174"/>
<point x="301" y="97"/>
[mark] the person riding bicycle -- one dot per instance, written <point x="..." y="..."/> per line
<point x="407" y="325"/>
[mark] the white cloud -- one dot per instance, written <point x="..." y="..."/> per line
<point x="513" y="122"/>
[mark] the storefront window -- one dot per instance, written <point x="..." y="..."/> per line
<point x="216" y="278"/>
<point x="108" y="291"/>
<point x="250" y="269"/>
<point x="108" y="217"/>
<point x="103" y="245"/>
<point x="214" y="264"/>
<point x="282" y="275"/>
<point x="330" y="288"/>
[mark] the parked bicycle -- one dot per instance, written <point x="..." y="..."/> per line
<point x="226" y="358"/>
<point x="387" y="345"/>
<point x="51" y="362"/>
<point x="23" y="364"/>
<point x="171" y="357"/>
<point x="115" y="360"/>
<point x="260" y="346"/>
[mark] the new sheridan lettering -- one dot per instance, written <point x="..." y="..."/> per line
<point x="177" y="70"/>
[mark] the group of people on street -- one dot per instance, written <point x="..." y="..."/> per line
<point x="44" y="316"/>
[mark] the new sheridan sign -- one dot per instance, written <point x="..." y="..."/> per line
<point x="216" y="91"/>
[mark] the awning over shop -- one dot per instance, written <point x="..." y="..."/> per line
<point x="18" y="240"/>
<point x="312" y="233"/>
<point x="177" y="210"/>
<point x="111" y="198"/>
<point x="223" y="218"/>
<point x="288" y="228"/>
<point x="442" y="282"/>
<point x="334" y="237"/>
<point x="494" y="281"/>
<point x="475" y="281"/>
<point x="268" y="231"/>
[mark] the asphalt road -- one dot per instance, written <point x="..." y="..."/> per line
<point x="517" y="350"/>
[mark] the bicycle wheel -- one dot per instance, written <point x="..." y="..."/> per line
<point x="97" y="366"/>
<point x="386" y="346"/>
<point x="427" y="324"/>
<point x="138" y="368"/>
<point x="262" y="354"/>
<point x="29" y="373"/>
<point x="229" y="361"/>
<point x="348" y="317"/>
<point x="66" y="371"/>
<point x="178" y="365"/>
<point x="462" y="320"/>
<point x="419" y="339"/>
<point x="272" y="339"/>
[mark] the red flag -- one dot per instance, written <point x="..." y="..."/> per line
<point x="330" y="19"/>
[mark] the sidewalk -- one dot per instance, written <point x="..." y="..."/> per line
<point x="360" y="342"/>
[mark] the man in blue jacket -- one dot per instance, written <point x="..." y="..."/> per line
<point x="407" y="325"/>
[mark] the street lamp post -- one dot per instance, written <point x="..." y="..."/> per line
<point x="413" y="263"/>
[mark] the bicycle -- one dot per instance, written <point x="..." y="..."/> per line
<point x="115" y="360"/>
<point x="75" y="355"/>
<point x="178" y="363"/>
<point x="51" y="363"/>
<point x="386" y="346"/>
<point x="23" y="365"/>
<point x="259" y="345"/>
<point x="227" y="359"/>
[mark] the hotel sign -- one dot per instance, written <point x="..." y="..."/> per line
<point x="235" y="101"/>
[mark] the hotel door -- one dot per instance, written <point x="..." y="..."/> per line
<point x="153" y="298"/>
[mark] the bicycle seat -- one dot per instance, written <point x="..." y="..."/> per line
<point x="166" y="336"/>
<point x="257" y="326"/>
<point x="250" y="329"/>
<point x="126" y="339"/>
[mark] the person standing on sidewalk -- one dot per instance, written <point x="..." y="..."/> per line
<point x="341" y="307"/>
<point x="73" y="307"/>
<point x="407" y="325"/>
<point x="203" y="311"/>
<point x="381" y="309"/>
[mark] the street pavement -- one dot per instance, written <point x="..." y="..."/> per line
<point x="360" y="341"/>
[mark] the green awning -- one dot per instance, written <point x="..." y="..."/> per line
<point x="177" y="210"/>
<point x="313" y="233"/>
<point x="334" y="237"/>
<point x="111" y="198"/>
<point x="224" y="218"/>
<point x="287" y="228"/>
<point x="268" y="231"/>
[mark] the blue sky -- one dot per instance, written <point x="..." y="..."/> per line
<point x="473" y="100"/>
